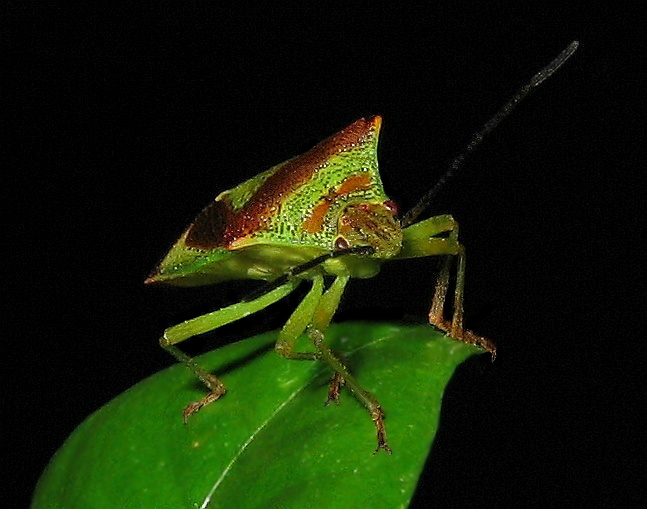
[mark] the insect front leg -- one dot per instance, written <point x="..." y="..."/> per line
<point x="420" y="240"/>
<point x="323" y="315"/>
<point x="298" y="322"/>
<point x="315" y="310"/>
<point x="326" y="308"/>
<point x="313" y="315"/>
<point x="362" y="395"/>
<point x="209" y="322"/>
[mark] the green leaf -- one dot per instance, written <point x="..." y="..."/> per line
<point x="270" y="442"/>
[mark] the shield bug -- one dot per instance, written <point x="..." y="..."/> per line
<point x="323" y="214"/>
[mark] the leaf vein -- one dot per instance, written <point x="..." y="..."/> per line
<point x="243" y="447"/>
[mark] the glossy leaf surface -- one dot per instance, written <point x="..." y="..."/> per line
<point x="270" y="442"/>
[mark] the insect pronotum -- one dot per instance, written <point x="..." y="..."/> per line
<point x="318" y="215"/>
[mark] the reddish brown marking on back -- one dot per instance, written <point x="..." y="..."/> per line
<point x="296" y="172"/>
<point x="314" y="223"/>
<point x="208" y="229"/>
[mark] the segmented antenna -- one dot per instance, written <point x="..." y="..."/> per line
<point x="487" y="128"/>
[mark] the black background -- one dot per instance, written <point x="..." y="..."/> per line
<point x="126" y="122"/>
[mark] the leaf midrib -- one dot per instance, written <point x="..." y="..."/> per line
<point x="314" y="374"/>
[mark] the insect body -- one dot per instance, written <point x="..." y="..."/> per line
<point x="328" y="199"/>
<point x="323" y="214"/>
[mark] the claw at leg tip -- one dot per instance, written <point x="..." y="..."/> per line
<point x="384" y="447"/>
<point x="189" y="411"/>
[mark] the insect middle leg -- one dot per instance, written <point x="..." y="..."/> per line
<point x="420" y="240"/>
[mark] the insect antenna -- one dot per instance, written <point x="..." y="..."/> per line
<point x="304" y="267"/>
<point x="486" y="129"/>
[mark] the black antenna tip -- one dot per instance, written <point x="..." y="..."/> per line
<point x="488" y="127"/>
<point x="557" y="62"/>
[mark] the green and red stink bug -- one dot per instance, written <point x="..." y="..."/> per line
<point x="321" y="214"/>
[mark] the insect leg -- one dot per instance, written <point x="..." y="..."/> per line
<point x="297" y="323"/>
<point x="420" y="240"/>
<point x="209" y="322"/>
<point x="315" y="310"/>
<point x="314" y="306"/>
<point x="323" y="315"/>
<point x="436" y="312"/>
<point x="321" y="318"/>
<point x="363" y="396"/>
<point x="329" y="303"/>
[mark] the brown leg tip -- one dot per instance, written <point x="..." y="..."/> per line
<point x="336" y="385"/>
<point x="469" y="337"/>
<point x="195" y="406"/>
<point x="384" y="446"/>
<point x="485" y="343"/>
<point x="378" y="419"/>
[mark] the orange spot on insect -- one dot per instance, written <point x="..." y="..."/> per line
<point x="293" y="175"/>
<point x="354" y="183"/>
<point x="315" y="222"/>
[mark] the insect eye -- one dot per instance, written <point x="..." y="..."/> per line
<point x="392" y="206"/>
<point x="341" y="243"/>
